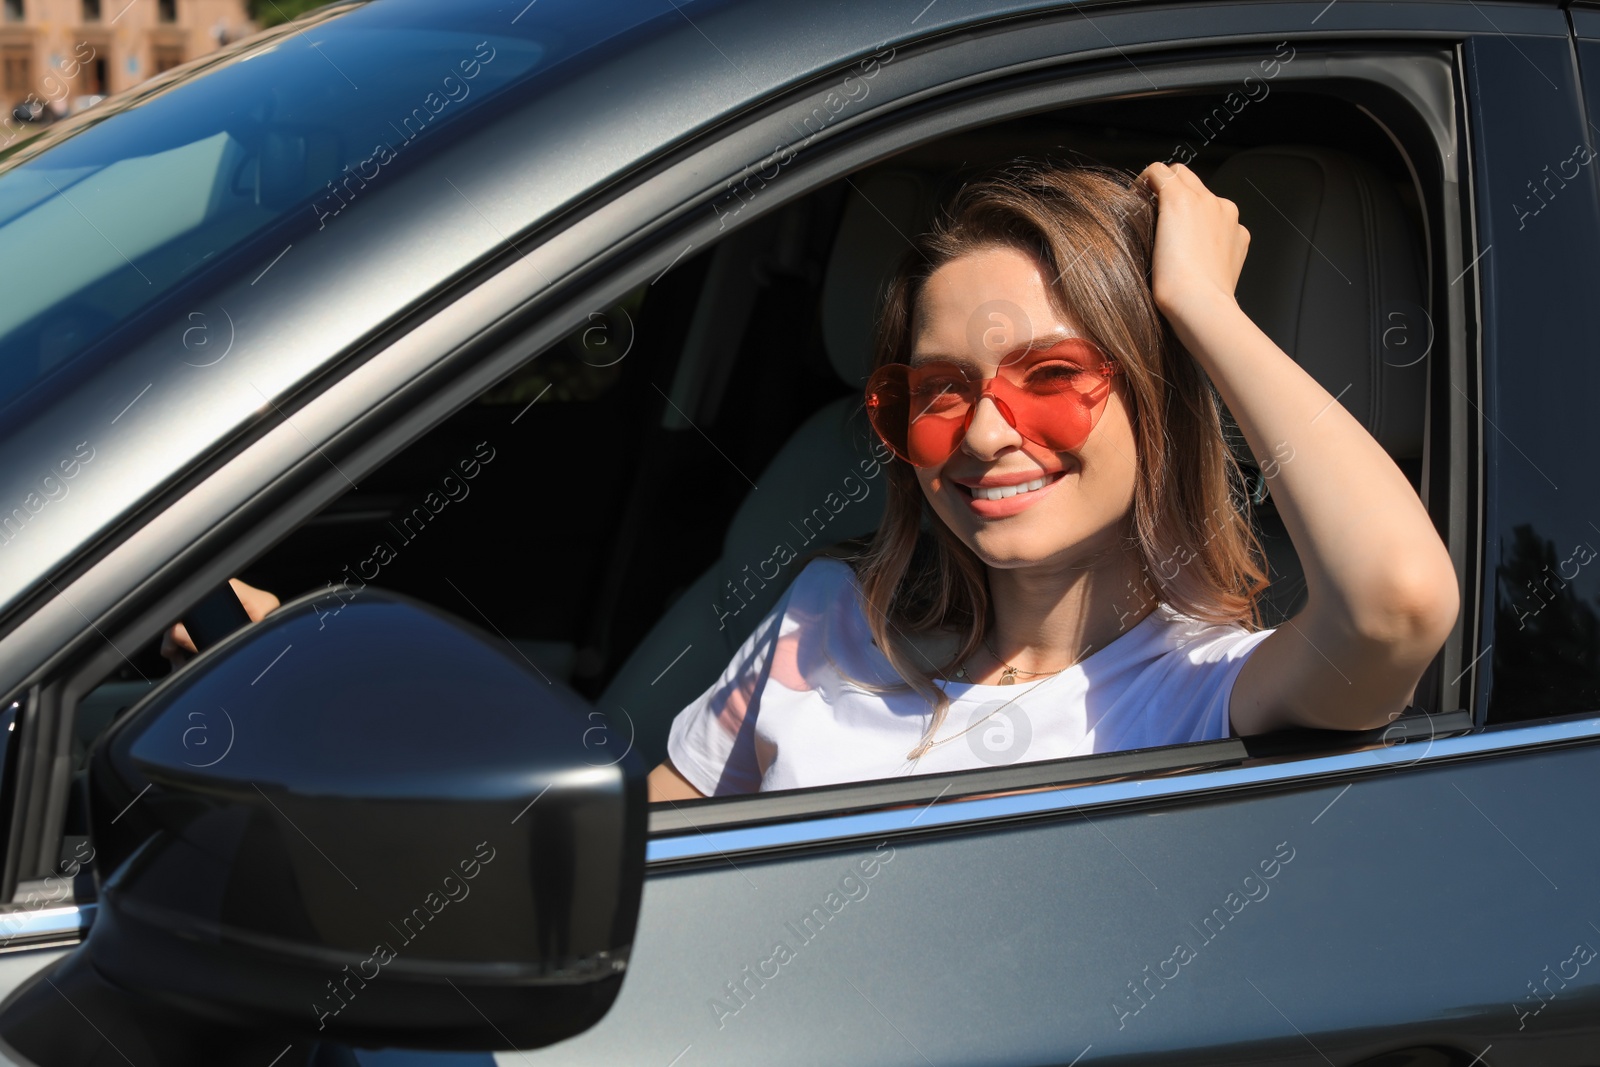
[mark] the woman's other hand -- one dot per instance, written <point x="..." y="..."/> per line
<point x="177" y="646"/>
<point x="667" y="784"/>
<point x="1199" y="247"/>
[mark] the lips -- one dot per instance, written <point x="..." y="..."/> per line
<point x="997" y="496"/>
<point x="1001" y="492"/>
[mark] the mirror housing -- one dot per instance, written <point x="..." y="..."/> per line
<point x="378" y="827"/>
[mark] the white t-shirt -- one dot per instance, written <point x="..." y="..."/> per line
<point x="787" y="711"/>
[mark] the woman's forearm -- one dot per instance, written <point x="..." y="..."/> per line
<point x="1373" y="563"/>
<point x="1381" y="592"/>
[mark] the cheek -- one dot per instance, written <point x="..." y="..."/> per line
<point x="1111" y="462"/>
<point x="937" y="490"/>
<point x="1113" y="440"/>
<point x="1119" y="484"/>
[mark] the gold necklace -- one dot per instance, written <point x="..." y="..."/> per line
<point x="1009" y="675"/>
<point x="922" y="748"/>
<point x="1007" y="678"/>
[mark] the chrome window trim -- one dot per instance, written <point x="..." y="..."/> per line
<point x="27" y="929"/>
<point x="1070" y="799"/>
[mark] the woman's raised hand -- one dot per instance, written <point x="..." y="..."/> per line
<point x="1200" y="246"/>
<point x="177" y="646"/>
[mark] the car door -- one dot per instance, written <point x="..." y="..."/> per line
<point x="1125" y="907"/>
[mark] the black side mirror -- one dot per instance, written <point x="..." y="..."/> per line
<point x="379" y="828"/>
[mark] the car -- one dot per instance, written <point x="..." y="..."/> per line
<point x="520" y="348"/>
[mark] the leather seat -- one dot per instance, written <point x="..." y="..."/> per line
<point x="1331" y="254"/>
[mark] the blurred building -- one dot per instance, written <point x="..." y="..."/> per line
<point x="65" y="55"/>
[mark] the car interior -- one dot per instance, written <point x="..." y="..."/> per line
<point x="631" y="485"/>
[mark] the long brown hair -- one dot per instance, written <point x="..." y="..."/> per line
<point x="1094" y="229"/>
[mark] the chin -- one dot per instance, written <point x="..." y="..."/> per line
<point x="1052" y="536"/>
<point x="1009" y="551"/>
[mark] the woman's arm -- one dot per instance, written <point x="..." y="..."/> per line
<point x="1381" y="590"/>
<point x="667" y="784"/>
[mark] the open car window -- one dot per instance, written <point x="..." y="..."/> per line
<point x="599" y="510"/>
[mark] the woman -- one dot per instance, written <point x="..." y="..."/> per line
<point x="1061" y="568"/>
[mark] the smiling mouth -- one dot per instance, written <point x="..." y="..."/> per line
<point x="1001" y="492"/>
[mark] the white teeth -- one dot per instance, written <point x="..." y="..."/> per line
<point x="1000" y="492"/>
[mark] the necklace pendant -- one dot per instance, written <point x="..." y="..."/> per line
<point x="1008" y="676"/>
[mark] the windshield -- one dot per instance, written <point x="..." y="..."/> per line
<point x="101" y="216"/>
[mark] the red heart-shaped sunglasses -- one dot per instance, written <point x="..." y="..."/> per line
<point x="1051" y="396"/>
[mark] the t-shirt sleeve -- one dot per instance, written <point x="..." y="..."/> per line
<point x="1214" y="665"/>
<point x="712" y="742"/>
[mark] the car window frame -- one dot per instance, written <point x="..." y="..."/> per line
<point x="493" y="327"/>
<point x="707" y="831"/>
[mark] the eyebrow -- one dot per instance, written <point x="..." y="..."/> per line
<point x="1049" y="340"/>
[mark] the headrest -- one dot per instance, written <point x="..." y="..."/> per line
<point x="1333" y="276"/>
<point x="882" y="213"/>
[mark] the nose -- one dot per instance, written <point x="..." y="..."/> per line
<point x="989" y="433"/>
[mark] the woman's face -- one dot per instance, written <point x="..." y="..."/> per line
<point x="980" y="307"/>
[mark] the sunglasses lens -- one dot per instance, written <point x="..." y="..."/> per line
<point x="1057" y="401"/>
<point x="920" y="412"/>
<point x="1053" y="398"/>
